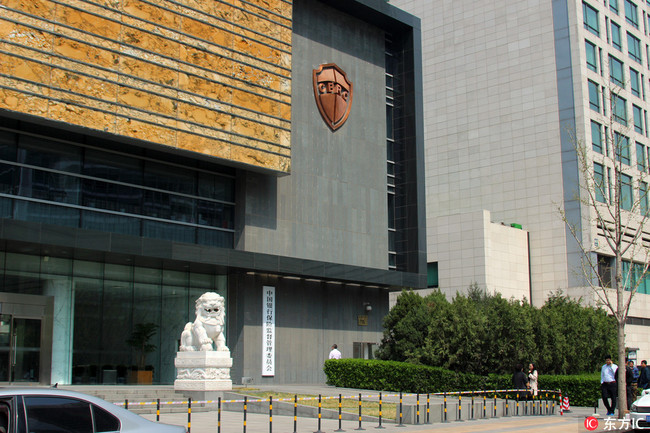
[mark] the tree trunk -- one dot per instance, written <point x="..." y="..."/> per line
<point x="621" y="402"/>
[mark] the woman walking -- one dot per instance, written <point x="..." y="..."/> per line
<point x="532" y="378"/>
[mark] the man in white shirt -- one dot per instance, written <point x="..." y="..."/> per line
<point x="608" y="386"/>
<point x="334" y="353"/>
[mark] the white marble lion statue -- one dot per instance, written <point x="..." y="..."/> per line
<point x="208" y="326"/>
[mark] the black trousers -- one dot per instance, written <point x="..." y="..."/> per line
<point x="609" y="391"/>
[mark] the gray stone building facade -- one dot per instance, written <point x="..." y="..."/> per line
<point x="506" y="86"/>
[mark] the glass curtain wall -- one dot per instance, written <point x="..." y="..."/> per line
<point x="99" y="305"/>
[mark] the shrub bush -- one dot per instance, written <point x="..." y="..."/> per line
<point x="582" y="390"/>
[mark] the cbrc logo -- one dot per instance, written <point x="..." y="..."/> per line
<point x="333" y="93"/>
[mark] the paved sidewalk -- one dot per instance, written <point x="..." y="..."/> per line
<point x="233" y="422"/>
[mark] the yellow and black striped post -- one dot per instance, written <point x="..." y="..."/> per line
<point x="126" y="403"/>
<point x="380" y="414"/>
<point x="295" y="413"/>
<point x="219" y="415"/>
<point x="428" y="408"/>
<point x="495" y="404"/>
<point x="320" y="415"/>
<point x="484" y="404"/>
<point x="444" y="406"/>
<point x="472" y="406"/>
<point x="158" y="410"/>
<point x="517" y="413"/>
<point x="340" y="429"/>
<point x="417" y="408"/>
<point x="360" y="427"/>
<point x="189" y="415"/>
<point x="245" y="409"/>
<point x="270" y="414"/>
<point x="460" y="407"/>
<point x="401" y="424"/>
<point x="506" y="405"/>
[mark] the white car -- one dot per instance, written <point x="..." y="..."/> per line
<point x="640" y="412"/>
<point x="49" y="410"/>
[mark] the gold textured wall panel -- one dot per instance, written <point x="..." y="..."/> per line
<point x="208" y="76"/>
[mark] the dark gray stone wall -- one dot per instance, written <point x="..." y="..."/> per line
<point x="310" y="317"/>
<point x="332" y="207"/>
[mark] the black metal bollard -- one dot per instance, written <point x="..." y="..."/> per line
<point x="428" y="408"/>
<point x="219" y="415"/>
<point x="401" y="424"/>
<point x="360" y="428"/>
<point x="495" y="404"/>
<point x="444" y="395"/>
<point x="472" y="408"/>
<point x="270" y="414"/>
<point x="517" y="404"/>
<point x="460" y="407"/>
<point x="340" y="429"/>
<point x="320" y="415"/>
<point x="126" y="403"/>
<point x="157" y="410"/>
<point x="380" y="426"/>
<point x="295" y="413"/>
<point x="506" y="405"/>
<point x="189" y="414"/>
<point x="484" y="405"/>
<point x="245" y="409"/>
<point x="417" y="408"/>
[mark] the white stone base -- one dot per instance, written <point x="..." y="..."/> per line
<point x="203" y="371"/>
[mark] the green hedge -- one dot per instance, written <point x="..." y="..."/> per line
<point x="582" y="390"/>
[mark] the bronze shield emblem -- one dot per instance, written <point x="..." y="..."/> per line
<point x="333" y="93"/>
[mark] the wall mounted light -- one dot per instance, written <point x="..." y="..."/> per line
<point x="367" y="306"/>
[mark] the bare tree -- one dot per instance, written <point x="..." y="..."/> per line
<point x="611" y="233"/>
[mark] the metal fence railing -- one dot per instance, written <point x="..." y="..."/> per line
<point x="454" y="406"/>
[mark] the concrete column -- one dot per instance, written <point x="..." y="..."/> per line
<point x="63" y="327"/>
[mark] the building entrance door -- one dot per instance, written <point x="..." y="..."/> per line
<point x="25" y="338"/>
<point x="20" y="349"/>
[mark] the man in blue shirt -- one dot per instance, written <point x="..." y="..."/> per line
<point x="608" y="385"/>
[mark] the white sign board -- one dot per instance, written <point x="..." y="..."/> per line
<point x="268" y="331"/>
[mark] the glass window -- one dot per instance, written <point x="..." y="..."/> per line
<point x="622" y="148"/>
<point x="58" y="414"/>
<point x="631" y="13"/>
<point x="112" y="196"/>
<point x="592" y="59"/>
<point x="616" y="36"/>
<point x="169" y="178"/>
<point x="596" y="137"/>
<point x="613" y="5"/>
<point x="41" y="212"/>
<point x="619" y="109"/>
<point x="643" y="198"/>
<point x="118" y="168"/>
<point x="635" y="83"/>
<point x="599" y="183"/>
<point x="594" y="98"/>
<point x="104" y="421"/>
<point x="49" y="154"/>
<point x="626" y="197"/>
<point x="640" y="157"/>
<point x="634" y="47"/>
<point x="590" y="16"/>
<point x="616" y="71"/>
<point x="8" y="145"/>
<point x="216" y="187"/>
<point x="638" y="119"/>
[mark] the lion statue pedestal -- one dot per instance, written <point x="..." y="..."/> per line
<point x="200" y="368"/>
